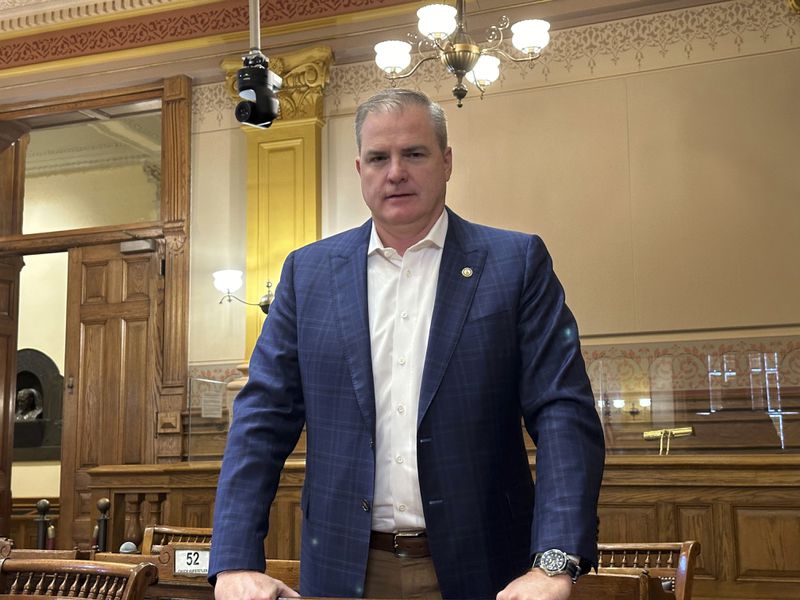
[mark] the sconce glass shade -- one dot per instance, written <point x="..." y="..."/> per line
<point x="393" y="55"/>
<point x="437" y="21"/>
<point x="227" y="281"/>
<point x="531" y="35"/>
<point x="485" y="72"/>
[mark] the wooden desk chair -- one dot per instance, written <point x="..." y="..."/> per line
<point x="672" y="562"/>
<point x="618" y="586"/>
<point x="158" y="536"/>
<point x="43" y="578"/>
<point x="8" y="550"/>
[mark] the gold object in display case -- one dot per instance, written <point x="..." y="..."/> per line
<point x="666" y="434"/>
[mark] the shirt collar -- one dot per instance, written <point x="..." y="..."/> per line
<point x="435" y="237"/>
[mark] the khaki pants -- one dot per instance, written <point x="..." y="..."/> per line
<point x="391" y="577"/>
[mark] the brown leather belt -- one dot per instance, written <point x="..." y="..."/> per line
<point x="403" y="544"/>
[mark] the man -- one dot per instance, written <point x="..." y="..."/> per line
<point x="412" y="348"/>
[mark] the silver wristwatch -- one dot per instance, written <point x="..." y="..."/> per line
<point x="558" y="562"/>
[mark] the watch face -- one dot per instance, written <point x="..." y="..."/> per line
<point x="553" y="561"/>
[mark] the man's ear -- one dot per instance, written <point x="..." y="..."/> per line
<point x="448" y="162"/>
<point x="358" y="165"/>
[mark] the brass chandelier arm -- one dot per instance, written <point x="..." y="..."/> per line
<point x="528" y="59"/>
<point x="393" y="76"/>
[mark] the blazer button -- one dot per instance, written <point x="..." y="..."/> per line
<point x="365" y="505"/>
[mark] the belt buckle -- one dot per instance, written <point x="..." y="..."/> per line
<point x="410" y="534"/>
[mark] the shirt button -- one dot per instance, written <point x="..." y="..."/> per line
<point x="400" y="460"/>
<point x="402" y="508"/>
<point x="402" y="360"/>
<point x="364" y="505"/>
<point x="408" y="273"/>
<point x="401" y="410"/>
<point x="404" y="315"/>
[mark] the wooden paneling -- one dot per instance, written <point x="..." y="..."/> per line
<point x="628" y="522"/>
<point x="744" y="510"/>
<point x="769" y="540"/>
<point x="696" y="523"/>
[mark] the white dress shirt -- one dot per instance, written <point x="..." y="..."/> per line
<point x="401" y="291"/>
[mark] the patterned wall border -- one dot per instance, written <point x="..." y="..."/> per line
<point x="212" y="108"/>
<point x="229" y="16"/>
<point x="684" y="366"/>
<point x="226" y="371"/>
<point x="677" y="38"/>
<point x="648" y="368"/>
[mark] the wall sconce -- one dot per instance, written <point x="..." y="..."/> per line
<point x="229" y="281"/>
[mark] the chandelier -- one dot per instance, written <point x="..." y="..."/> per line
<point x="444" y="37"/>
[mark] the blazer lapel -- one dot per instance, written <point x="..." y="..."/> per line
<point x="459" y="273"/>
<point x="349" y="270"/>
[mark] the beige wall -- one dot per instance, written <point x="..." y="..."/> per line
<point x="657" y="171"/>
<point x="43" y="305"/>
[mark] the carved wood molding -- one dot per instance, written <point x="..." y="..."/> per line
<point x="305" y="74"/>
<point x="175" y="234"/>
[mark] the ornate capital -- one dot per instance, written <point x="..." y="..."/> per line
<point x="305" y="74"/>
<point x="175" y="235"/>
<point x="794" y="5"/>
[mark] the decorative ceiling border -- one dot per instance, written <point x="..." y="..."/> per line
<point x="185" y="23"/>
<point x="20" y="17"/>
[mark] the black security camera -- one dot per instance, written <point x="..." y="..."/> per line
<point x="258" y="86"/>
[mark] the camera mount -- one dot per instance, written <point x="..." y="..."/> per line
<point x="256" y="84"/>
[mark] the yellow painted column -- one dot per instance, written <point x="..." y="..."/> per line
<point x="284" y="165"/>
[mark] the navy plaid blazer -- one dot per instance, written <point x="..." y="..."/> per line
<point x="503" y="348"/>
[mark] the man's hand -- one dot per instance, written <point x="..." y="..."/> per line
<point x="535" y="585"/>
<point x="250" y="585"/>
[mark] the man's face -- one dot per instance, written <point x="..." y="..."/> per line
<point x="403" y="171"/>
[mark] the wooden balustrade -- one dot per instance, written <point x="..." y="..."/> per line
<point x="743" y="509"/>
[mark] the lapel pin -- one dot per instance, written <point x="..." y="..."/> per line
<point x="466" y="272"/>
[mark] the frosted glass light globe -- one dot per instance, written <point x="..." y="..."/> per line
<point x="227" y="281"/>
<point x="485" y="72"/>
<point x="393" y="55"/>
<point x="530" y="36"/>
<point x="436" y="21"/>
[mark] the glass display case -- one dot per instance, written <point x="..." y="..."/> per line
<point x="710" y="397"/>
<point x="694" y="397"/>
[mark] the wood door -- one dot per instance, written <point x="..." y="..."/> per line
<point x="111" y="360"/>
<point x="13" y="143"/>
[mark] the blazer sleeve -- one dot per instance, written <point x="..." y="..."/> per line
<point x="268" y="416"/>
<point x="559" y="412"/>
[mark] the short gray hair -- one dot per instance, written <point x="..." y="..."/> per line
<point x="397" y="99"/>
